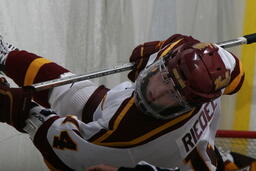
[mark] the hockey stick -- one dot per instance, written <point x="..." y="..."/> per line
<point x="247" y="39"/>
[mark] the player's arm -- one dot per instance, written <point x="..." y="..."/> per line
<point x="61" y="140"/>
<point x="140" y="56"/>
<point x="17" y="110"/>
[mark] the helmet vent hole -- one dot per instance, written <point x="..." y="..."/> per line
<point x="219" y="68"/>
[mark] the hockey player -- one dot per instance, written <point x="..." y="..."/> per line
<point x="166" y="115"/>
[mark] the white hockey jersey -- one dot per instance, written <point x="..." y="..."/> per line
<point x="109" y="128"/>
<point x="127" y="138"/>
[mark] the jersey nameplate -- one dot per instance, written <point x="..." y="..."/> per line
<point x="189" y="140"/>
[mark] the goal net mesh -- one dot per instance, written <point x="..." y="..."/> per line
<point x="243" y="142"/>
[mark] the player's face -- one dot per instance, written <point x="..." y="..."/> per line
<point x="159" y="92"/>
<point x="156" y="93"/>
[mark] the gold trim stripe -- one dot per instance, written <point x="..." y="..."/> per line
<point x="149" y="134"/>
<point x="142" y="50"/>
<point x="236" y="81"/>
<point x="116" y="123"/>
<point x="169" y="48"/>
<point x="33" y="70"/>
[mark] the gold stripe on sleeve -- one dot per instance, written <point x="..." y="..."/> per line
<point x="170" y="48"/>
<point x="33" y="70"/>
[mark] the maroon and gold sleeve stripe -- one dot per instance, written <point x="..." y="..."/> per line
<point x="27" y="68"/>
<point x="173" y="42"/>
<point x="177" y="37"/>
<point x="169" y="47"/>
<point x="237" y="78"/>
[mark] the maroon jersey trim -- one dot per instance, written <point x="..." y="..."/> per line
<point x="93" y="102"/>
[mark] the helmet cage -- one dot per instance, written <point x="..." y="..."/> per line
<point x="195" y="76"/>
<point x="161" y="112"/>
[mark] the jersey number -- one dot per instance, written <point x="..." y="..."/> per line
<point x="64" y="141"/>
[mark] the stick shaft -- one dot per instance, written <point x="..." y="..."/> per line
<point x="233" y="42"/>
<point x="247" y="39"/>
<point x="71" y="79"/>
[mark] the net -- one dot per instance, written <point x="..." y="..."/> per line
<point x="243" y="142"/>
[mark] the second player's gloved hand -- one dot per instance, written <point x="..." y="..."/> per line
<point x="140" y="57"/>
<point x="14" y="105"/>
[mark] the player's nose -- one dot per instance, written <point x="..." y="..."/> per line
<point x="158" y="92"/>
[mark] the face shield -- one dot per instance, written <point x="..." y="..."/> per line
<point x="156" y="93"/>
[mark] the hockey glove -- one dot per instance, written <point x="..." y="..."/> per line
<point x="140" y="57"/>
<point x="14" y="105"/>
